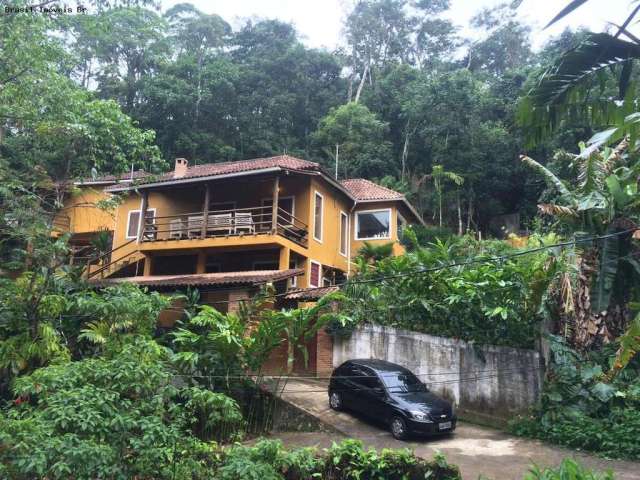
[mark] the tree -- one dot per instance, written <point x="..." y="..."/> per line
<point x="439" y="176"/>
<point x="358" y="136"/>
<point x="378" y="32"/>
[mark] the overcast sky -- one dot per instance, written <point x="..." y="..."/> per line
<point x="320" y="22"/>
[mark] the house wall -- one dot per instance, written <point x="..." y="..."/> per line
<point x="84" y="216"/>
<point x="398" y="249"/>
<point x="487" y="383"/>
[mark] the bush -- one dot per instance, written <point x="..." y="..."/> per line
<point x="118" y="416"/>
<point x="568" y="469"/>
<point x="580" y="409"/>
<point x="492" y="302"/>
<point x="267" y="460"/>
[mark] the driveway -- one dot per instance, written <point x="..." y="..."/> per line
<point x="476" y="450"/>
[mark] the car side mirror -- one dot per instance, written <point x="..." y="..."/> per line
<point x="378" y="391"/>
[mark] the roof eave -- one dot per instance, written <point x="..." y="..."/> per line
<point x="205" y="178"/>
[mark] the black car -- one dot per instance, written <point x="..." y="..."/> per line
<point x="392" y="394"/>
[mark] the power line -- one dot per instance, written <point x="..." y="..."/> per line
<point x="494" y="259"/>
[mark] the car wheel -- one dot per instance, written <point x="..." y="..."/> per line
<point x="398" y="428"/>
<point x="335" y="401"/>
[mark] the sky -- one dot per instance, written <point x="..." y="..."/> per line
<point x="321" y="22"/>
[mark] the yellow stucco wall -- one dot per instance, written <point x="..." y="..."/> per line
<point x="249" y="192"/>
<point x="84" y="216"/>
<point x="398" y="249"/>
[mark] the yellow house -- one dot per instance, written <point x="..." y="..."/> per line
<point x="214" y="225"/>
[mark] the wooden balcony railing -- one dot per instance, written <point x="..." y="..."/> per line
<point x="225" y="223"/>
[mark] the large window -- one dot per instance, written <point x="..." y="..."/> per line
<point x="373" y="224"/>
<point x="317" y="217"/>
<point x="133" y="221"/>
<point x="344" y="233"/>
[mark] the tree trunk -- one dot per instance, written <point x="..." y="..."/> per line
<point x="459" y="213"/>
<point x="405" y="153"/>
<point x="361" y="85"/>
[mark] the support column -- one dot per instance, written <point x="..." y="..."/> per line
<point x="205" y="210"/>
<point x="201" y="265"/>
<point x="274" y="205"/>
<point x="148" y="265"/>
<point x="285" y="256"/>
<point x="144" y="204"/>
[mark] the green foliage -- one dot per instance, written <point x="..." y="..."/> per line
<point x="119" y="416"/>
<point x="568" y="470"/>
<point x="358" y="135"/>
<point x="492" y="302"/>
<point x="581" y="409"/>
<point x="346" y="460"/>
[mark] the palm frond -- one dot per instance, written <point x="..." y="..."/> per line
<point x="591" y="173"/>
<point x="550" y="178"/>
<point x="571" y="6"/>
<point x="556" y="210"/>
<point x="563" y="89"/>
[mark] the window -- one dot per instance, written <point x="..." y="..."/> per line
<point x="344" y="233"/>
<point x="284" y="203"/>
<point x="373" y="224"/>
<point x="314" y="274"/>
<point x="317" y="217"/>
<point x="133" y="221"/>
<point x="400" y="224"/>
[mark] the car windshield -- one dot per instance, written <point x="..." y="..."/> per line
<point x="402" y="382"/>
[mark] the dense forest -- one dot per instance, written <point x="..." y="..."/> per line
<point x="408" y="101"/>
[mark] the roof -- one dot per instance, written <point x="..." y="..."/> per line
<point x="310" y="293"/>
<point x="357" y="189"/>
<point x="284" y="162"/>
<point x="363" y="189"/>
<point x="254" y="277"/>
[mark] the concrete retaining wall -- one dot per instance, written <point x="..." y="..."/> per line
<point x="487" y="383"/>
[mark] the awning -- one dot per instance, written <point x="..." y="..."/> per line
<point x="251" y="278"/>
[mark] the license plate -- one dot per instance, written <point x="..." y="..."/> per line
<point x="444" y="425"/>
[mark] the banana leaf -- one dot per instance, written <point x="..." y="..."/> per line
<point x="611" y="250"/>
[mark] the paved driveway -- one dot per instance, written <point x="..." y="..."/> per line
<point x="476" y="450"/>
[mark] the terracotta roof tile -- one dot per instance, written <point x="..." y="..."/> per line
<point x="255" y="277"/>
<point x="363" y="189"/>
<point x="213" y="169"/>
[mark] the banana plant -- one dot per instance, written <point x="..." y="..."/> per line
<point x="601" y="201"/>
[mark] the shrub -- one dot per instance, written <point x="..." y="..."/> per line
<point x="568" y="469"/>
<point x="492" y="302"/>
<point x="267" y="460"/>
<point x="580" y="410"/>
<point x="118" y="416"/>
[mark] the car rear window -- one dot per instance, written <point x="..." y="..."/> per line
<point x="402" y="382"/>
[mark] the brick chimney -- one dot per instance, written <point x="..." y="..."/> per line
<point x="181" y="167"/>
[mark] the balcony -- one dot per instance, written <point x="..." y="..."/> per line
<point x="236" y="222"/>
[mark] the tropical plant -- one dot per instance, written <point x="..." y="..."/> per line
<point x="213" y="344"/>
<point x="569" y="468"/>
<point x="371" y="252"/>
<point x="591" y="81"/>
<point x="600" y="201"/>
<point x="299" y="325"/>
<point x="460" y="288"/>
<point x="117" y="417"/>
<point x="439" y="176"/>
